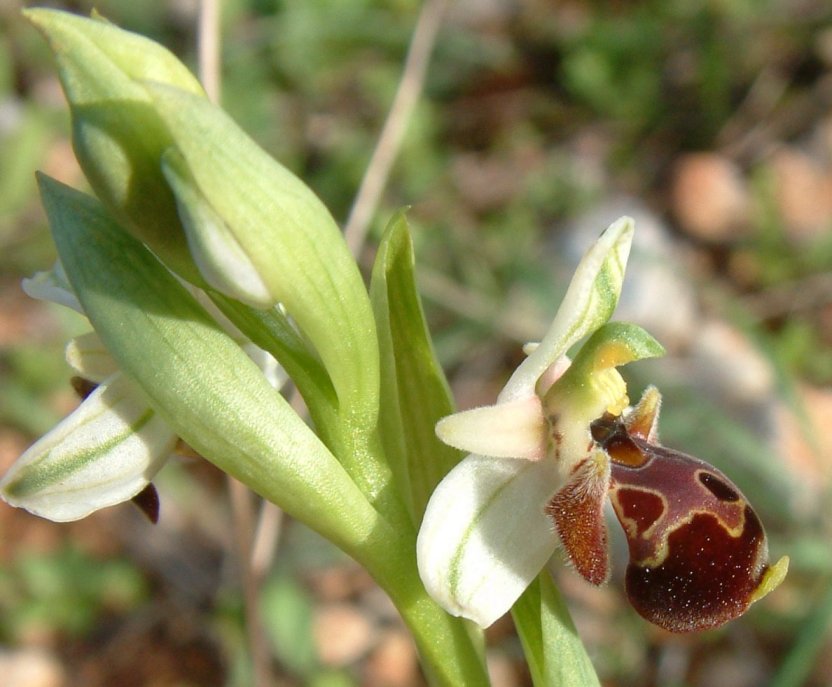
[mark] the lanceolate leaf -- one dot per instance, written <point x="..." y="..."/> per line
<point x="196" y="377"/>
<point x="415" y="393"/>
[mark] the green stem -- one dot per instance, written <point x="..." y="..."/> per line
<point x="554" y="652"/>
<point x="451" y="649"/>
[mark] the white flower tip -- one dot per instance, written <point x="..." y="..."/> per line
<point x="530" y="347"/>
<point x="87" y="355"/>
<point x="52" y="285"/>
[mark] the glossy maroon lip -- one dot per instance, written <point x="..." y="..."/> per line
<point x="698" y="552"/>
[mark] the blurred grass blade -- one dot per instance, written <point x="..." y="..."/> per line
<point x="811" y="639"/>
<point x="415" y="393"/>
<point x="198" y="378"/>
<point x="287" y="615"/>
<point x="554" y="652"/>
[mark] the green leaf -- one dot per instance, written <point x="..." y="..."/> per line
<point x="553" y="649"/>
<point x="197" y="378"/>
<point x="415" y="394"/>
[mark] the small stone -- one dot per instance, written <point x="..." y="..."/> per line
<point x="342" y="634"/>
<point x="393" y="663"/>
<point x="737" y="670"/>
<point x="803" y="192"/>
<point x="725" y="359"/>
<point x="805" y="444"/>
<point x="31" y="668"/>
<point x="657" y="294"/>
<point x="502" y="671"/>
<point x="337" y="583"/>
<point x="710" y="197"/>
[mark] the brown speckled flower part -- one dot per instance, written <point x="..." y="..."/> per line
<point x="698" y="552"/>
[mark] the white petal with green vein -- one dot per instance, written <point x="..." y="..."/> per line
<point x="104" y="453"/>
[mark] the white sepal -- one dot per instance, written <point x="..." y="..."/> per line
<point x="104" y="453"/>
<point x="485" y="535"/>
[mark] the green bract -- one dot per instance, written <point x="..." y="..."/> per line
<point x="117" y="136"/>
<point x="239" y="201"/>
<point x="195" y="376"/>
<point x="186" y="181"/>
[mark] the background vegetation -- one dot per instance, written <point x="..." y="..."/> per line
<point x="708" y="120"/>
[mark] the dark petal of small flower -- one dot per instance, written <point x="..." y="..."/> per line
<point x="82" y="387"/>
<point x="698" y="552"/>
<point x="147" y="501"/>
<point x="578" y="512"/>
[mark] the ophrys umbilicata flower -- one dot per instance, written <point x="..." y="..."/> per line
<point x="538" y="477"/>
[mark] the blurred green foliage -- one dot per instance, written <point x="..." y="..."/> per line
<point x="64" y="591"/>
<point x="287" y="614"/>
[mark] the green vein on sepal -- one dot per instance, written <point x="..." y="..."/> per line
<point x="47" y="471"/>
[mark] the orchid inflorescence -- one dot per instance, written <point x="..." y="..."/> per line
<point x="210" y="274"/>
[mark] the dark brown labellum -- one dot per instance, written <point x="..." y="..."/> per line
<point x="698" y="552"/>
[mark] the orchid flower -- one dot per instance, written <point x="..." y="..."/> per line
<point x="541" y="468"/>
<point x="109" y="448"/>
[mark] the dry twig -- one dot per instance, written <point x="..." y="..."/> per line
<point x="390" y="140"/>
